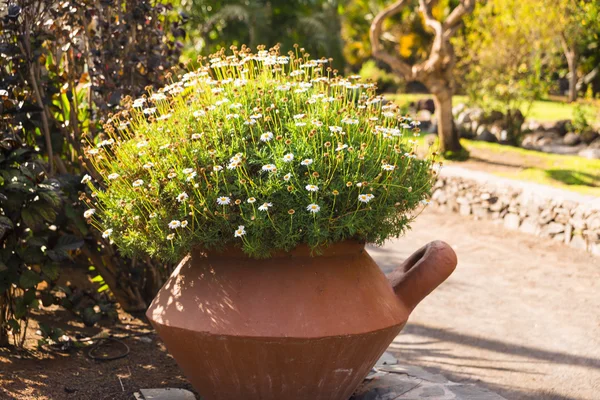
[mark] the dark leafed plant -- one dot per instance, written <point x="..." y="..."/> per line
<point x="31" y="250"/>
<point x="64" y="66"/>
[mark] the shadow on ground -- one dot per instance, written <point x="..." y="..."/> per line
<point x="437" y="343"/>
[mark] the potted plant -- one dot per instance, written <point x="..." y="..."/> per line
<point x="266" y="175"/>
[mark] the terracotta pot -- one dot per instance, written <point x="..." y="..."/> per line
<point x="291" y="327"/>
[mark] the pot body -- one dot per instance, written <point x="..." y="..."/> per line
<point x="292" y="327"/>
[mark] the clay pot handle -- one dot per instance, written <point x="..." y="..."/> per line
<point x="422" y="272"/>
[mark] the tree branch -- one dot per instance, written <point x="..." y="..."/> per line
<point x="465" y="7"/>
<point x="377" y="49"/>
<point x="436" y="54"/>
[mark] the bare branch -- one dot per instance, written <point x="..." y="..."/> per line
<point x="377" y="49"/>
<point x="465" y="7"/>
<point x="436" y="55"/>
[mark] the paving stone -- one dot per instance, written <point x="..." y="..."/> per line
<point x="401" y="382"/>
<point x="165" y="394"/>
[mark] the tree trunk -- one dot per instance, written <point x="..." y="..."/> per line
<point x="572" y="63"/>
<point x="448" y="136"/>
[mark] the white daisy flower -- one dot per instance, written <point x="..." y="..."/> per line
<point x="265" y="206"/>
<point x="307" y="161"/>
<point x="287" y="177"/>
<point x="172" y="175"/>
<point x="170" y="236"/>
<point x="89" y="213"/>
<point x="335" y="129"/>
<point x="267" y="136"/>
<point x="113" y="176"/>
<point x="240" y="231"/>
<point x="251" y="200"/>
<point x="288" y="157"/>
<point x="86" y="178"/>
<point x="93" y="151"/>
<point x="388" y="167"/>
<point x="191" y="176"/>
<point x="107" y="233"/>
<point x="184" y="224"/>
<point x="269" y="167"/>
<point x="150" y="110"/>
<point x="152" y="215"/>
<point x="300" y="124"/>
<point x="313" y="208"/>
<point x="141" y="144"/>
<point x="424" y="201"/>
<point x="181" y="197"/>
<point x="217" y="168"/>
<point x="199" y="113"/>
<point x="223" y="200"/>
<point x="233" y="165"/>
<point x="317" y="123"/>
<point x="137" y="183"/>
<point x="196" y="136"/>
<point x="188" y="171"/>
<point x="148" y="165"/>
<point x="365" y="198"/>
<point x="174" y="224"/>
<point x="312" y="188"/>
<point x="341" y="147"/>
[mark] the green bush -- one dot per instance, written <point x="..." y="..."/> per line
<point x="259" y="151"/>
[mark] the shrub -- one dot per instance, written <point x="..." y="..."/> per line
<point x="65" y="66"/>
<point x="260" y="151"/>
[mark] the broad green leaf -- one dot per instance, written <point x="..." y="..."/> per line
<point x="51" y="270"/>
<point x="29" y="279"/>
<point x="68" y="242"/>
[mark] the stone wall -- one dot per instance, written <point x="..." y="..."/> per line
<point x="546" y="212"/>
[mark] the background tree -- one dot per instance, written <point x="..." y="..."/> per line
<point x="435" y="72"/>
<point x="313" y="24"/>
<point x="575" y="25"/>
<point x="513" y="59"/>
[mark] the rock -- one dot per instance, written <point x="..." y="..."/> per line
<point x="476" y="114"/>
<point x="588" y="136"/>
<point x="562" y="126"/>
<point x="556" y="148"/>
<point x="568" y="233"/>
<point x="559" y="237"/>
<point x="480" y="212"/>
<point x="487" y="136"/>
<point x="166" y="394"/>
<point x="423" y="116"/>
<point x="465" y="209"/>
<point x="578" y="242"/>
<point x="512" y="221"/>
<point x="459" y="109"/>
<point x="595" y="144"/>
<point x="595" y="249"/>
<point x="426" y="104"/>
<point x="481" y="129"/>
<point x="593" y="154"/>
<point x="530" y="226"/>
<point x="532" y="126"/>
<point x="463" y="117"/>
<point x="546" y="216"/>
<point x="571" y="139"/>
<point x="578" y="223"/>
<point x="552" y="229"/>
<point x="493" y="116"/>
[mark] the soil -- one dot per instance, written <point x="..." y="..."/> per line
<point x="49" y="373"/>
<point x="520" y="316"/>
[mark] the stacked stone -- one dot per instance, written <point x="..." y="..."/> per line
<point x="575" y="224"/>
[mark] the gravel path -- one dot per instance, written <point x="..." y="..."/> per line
<point x="520" y="315"/>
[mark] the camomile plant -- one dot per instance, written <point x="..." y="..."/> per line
<point x="260" y="151"/>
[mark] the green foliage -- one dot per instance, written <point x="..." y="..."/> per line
<point x="65" y="66"/>
<point x="508" y="68"/>
<point x="315" y="24"/>
<point x="31" y="252"/>
<point x="263" y="152"/>
<point x="385" y="81"/>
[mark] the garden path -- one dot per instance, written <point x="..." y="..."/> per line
<point x="520" y="315"/>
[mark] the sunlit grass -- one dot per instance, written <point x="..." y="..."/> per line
<point x="542" y="110"/>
